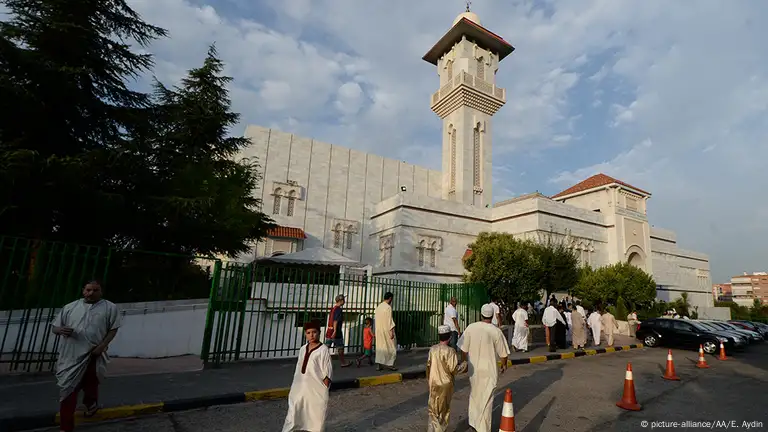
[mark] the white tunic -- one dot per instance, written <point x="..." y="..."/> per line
<point x="520" y="339"/>
<point x="485" y="345"/>
<point x="308" y="399"/>
<point x="90" y="323"/>
<point x="594" y="323"/>
<point x="386" y="347"/>
<point x="570" y="326"/>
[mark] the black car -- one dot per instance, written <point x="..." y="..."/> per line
<point x="752" y="335"/>
<point x="748" y="336"/>
<point x="749" y="325"/>
<point x="685" y="334"/>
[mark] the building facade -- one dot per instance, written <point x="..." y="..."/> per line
<point x="749" y="287"/>
<point x="411" y="222"/>
<point x="722" y="292"/>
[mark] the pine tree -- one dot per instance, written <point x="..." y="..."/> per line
<point x="199" y="197"/>
<point x="64" y="68"/>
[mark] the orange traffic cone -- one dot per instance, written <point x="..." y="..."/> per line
<point x="507" y="414"/>
<point x="670" y="372"/>
<point x="629" y="401"/>
<point x="722" y="352"/>
<point x="702" y="364"/>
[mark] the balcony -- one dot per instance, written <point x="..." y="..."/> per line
<point x="468" y="90"/>
<point x="473" y="82"/>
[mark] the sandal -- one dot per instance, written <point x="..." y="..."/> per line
<point x="91" y="411"/>
<point x="347" y="364"/>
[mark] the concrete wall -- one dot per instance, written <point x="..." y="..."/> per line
<point x="335" y="184"/>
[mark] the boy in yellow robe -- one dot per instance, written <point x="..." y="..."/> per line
<point x="442" y="367"/>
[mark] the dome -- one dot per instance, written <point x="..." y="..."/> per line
<point x="470" y="16"/>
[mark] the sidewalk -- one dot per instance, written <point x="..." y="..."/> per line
<point x="39" y="397"/>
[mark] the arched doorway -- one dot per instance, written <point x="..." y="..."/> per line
<point x="635" y="256"/>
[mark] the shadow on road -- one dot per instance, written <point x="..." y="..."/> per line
<point x="525" y="390"/>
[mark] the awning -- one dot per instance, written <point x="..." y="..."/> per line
<point x="316" y="255"/>
<point x="286" y="232"/>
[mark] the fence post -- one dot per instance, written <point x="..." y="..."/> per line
<point x="205" y="351"/>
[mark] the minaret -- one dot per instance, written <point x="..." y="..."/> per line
<point x="467" y="58"/>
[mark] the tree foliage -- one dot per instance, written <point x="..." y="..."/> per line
<point x="605" y="285"/>
<point x="515" y="270"/>
<point x="86" y="159"/>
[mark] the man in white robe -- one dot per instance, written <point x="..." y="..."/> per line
<point x="86" y="327"/>
<point x="386" y="344"/>
<point x="485" y="345"/>
<point x="308" y="398"/>
<point x="549" y="318"/>
<point x="595" y="325"/>
<point x="581" y="310"/>
<point x="520" y="339"/>
<point x="569" y="320"/>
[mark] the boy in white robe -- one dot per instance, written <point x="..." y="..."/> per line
<point x="308" y="398"/>
<point x="485" y="345"/>
<point x="520" y="338"/>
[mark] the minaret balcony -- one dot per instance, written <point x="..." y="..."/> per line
<point x="468" y="90"/>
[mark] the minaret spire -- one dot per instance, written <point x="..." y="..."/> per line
<point x="469" y="3"/>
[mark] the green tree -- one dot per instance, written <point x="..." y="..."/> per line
<point x="197" y="198"/>
<point x="64" y="65"/>
<point x="607" y="284"/>
<point x="558" y="265"/>
<point x="508" y="267"/>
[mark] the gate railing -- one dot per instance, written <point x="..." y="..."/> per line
<point x="258" y="312"/>
<point x="38" y="277"/>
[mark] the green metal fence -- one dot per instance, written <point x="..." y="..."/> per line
<point x="37" y="278"/>
<point x="258" y="312"/>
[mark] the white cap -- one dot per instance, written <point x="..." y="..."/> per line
<point x="486" y="311"/>
<point x="443" y="329"/>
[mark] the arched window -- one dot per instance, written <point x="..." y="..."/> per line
<point x="449" y="71"/>
<point x="291" y="202"/>
<point x="349" y="236"/>
<point x="476" y="155"/>
<point x="433" y="254"/>
<point x="278" y="201"/>
<point x="480" y="68"/>
<point x="421" y="250"/>
<point x="337" y="236"/>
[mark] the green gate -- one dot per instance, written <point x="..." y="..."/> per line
<point x="258" y="311"/>
<point x="36" y="279"/>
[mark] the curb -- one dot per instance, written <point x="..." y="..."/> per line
<point x="44" y="421"/>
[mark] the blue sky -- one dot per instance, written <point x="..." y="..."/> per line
<point x="669" y="96"/>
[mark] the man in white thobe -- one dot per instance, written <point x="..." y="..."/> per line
<point x="386" y="344"/>
<point x="86" y="327"/>
<point x="484" y="344"/>
<point x="594" y="323"/>
<point x="520" y="339"/>
<point x="496" y="313"/>
<point x="550" y="317"/>
<point x="632" y="322"/>
<point x="581" y="310"/>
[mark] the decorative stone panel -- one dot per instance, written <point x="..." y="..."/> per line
<point x="284" y="189"/>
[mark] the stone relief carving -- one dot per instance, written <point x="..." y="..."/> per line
<point x="288" y="189"/>
<point x="386" y="244"/>
<point x="349" y="226"/>
<point x="429" y="242"/>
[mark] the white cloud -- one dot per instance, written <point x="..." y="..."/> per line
<point x="690" y="78"/>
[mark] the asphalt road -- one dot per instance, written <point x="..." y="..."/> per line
<point x="567" y="395"/>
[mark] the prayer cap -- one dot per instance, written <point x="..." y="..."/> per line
<point x="443" y="329"/>
<point x="486" y="311"/>
<point x="314" y="324"/>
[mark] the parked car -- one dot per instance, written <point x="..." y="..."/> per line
<point x="749" y="336"/>
<point x="686" y="334"/>
<point x="756" y="337"/>
<point x="762" y="326"/>
<point x="749" y="325"/>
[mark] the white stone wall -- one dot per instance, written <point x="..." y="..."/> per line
<point x="678" y="270"/>
<point x="335" y="184"/>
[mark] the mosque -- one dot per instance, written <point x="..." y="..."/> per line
<point x="336" y="204"/>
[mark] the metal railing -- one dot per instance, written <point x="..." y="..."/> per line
<point x="258" y="312"/>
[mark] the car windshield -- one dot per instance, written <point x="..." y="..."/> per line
<point x="700" y="326"/>
<point x="719" y="326"/>
<point x="705" y="326"/>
